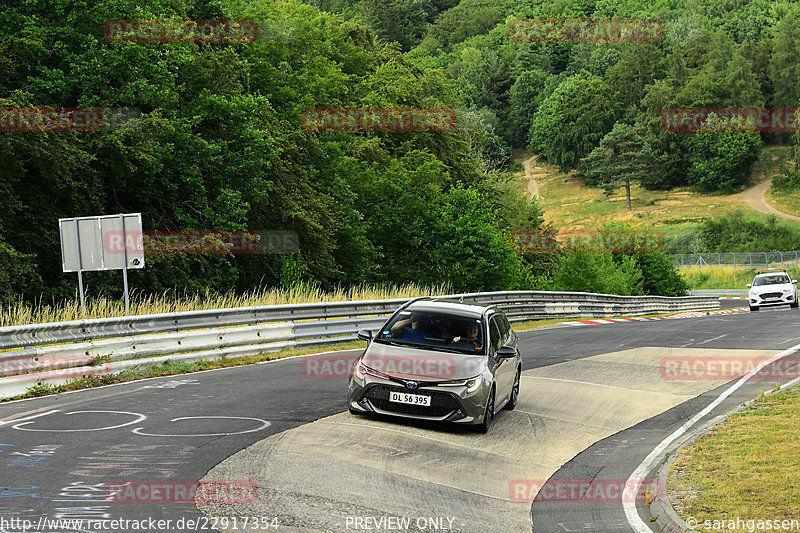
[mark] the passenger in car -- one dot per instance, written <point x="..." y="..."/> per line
<point x="471" y="332"/>
<point x="410" y="329"/>
<point x="415" y="329"/>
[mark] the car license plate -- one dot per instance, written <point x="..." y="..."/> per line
<point x="772" y="299"/>
<point x="412" y="399"/>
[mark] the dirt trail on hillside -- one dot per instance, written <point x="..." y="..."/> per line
<point x="530" y="177"/>
<point x="755" y="199"/>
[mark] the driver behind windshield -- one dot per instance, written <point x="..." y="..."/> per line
<point x="412" y="329"/>
<point x="471" y="331"/>
<point x="772" y="280"/>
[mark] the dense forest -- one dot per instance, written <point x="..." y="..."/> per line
<point x="219" y="144"/>
<point x="561" y="99"/>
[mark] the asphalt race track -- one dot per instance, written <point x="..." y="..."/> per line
<point x="595" y="401"/>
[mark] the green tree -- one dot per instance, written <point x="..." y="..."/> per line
<point x="624" y="156"/>
<point x="524" y="99"/>
<point x="471" y="253"/>
<point x="572" y="121"/>
<point x="721" y="160"/>
<point x="660" y="276"/>
<point x="784" y="67"/>
<point x="597" y="272"/>
<point x="639" y="65"/>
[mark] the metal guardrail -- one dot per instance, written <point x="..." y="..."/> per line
<point x="720" y="292"/>
<point x="59" y="352"/>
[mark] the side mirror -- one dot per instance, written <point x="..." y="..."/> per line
<point x="794" y="281"/>
<point x="364" y="335"/>
<point x="506" y="352"/>
<point x="749" y="285"/>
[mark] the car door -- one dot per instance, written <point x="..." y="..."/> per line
<point x="504" y="373"/>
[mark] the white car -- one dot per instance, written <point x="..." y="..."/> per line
<point x="772" y="287"/>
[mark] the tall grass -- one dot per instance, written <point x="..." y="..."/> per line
<point x="170" y="302"/>
<point x="720" y="276"/>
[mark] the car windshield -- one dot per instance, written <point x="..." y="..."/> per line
<point x="777" y="279"/>
<point x="434" y="331"/>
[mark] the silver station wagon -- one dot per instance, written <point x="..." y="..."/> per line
<point x="439" y="359"/>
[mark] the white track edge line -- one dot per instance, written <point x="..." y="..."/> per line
<point x="635" y="479"/>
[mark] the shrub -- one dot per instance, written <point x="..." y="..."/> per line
<point x="660" y="275"/>
<point x="598" y="272"/>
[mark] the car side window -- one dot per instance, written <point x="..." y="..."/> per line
<point x="506" y="328"/>
<point x="495" y="338"/>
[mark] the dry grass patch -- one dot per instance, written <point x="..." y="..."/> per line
<point x="567" y="203"/>
<point x="788" y="202"/>
<point x="717" y="276"/>
<point x="104" y="307"/>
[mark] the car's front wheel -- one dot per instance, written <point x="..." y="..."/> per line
<point x="753" y="308"/>
<point x="794" y="305"/>
<point x="512" y="402"/>
<point x="488" y="415"/>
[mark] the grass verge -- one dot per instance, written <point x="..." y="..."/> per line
<point x="746" y="467"/>
<point x="788" y="202"/>
<point x="717" y="276"/>
<point x="168" y="302"/>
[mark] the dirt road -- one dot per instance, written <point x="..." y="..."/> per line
<point x="755" y="199"/>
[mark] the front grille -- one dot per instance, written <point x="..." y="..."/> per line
<point x="441" y="402"/>
<point x="771" y="295"/>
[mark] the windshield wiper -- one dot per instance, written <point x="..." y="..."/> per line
<point x="442" y="349"/>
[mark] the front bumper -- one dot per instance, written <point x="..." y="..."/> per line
<point x="770" y="299"/>
<point x="448" y="404"/>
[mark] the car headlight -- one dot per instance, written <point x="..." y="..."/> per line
<point x="363" y="370"/>
<point x="787" y="291"/>
<point x="473" y="384"/>
<point x="360" y="371"/>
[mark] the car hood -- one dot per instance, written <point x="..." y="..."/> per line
<point x="422" y="365"/>
<point x="772" y="288"/>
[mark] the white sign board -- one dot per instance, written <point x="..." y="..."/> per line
<point x="100" y="241"/>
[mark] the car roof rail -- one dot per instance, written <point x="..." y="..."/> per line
<point x="771" y="269"/>
<point x="415" y="299"/>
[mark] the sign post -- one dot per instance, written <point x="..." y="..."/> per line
<point x="125" y="262"/>
<point x="111" y="242"/>
<point x="80" y="267"/>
